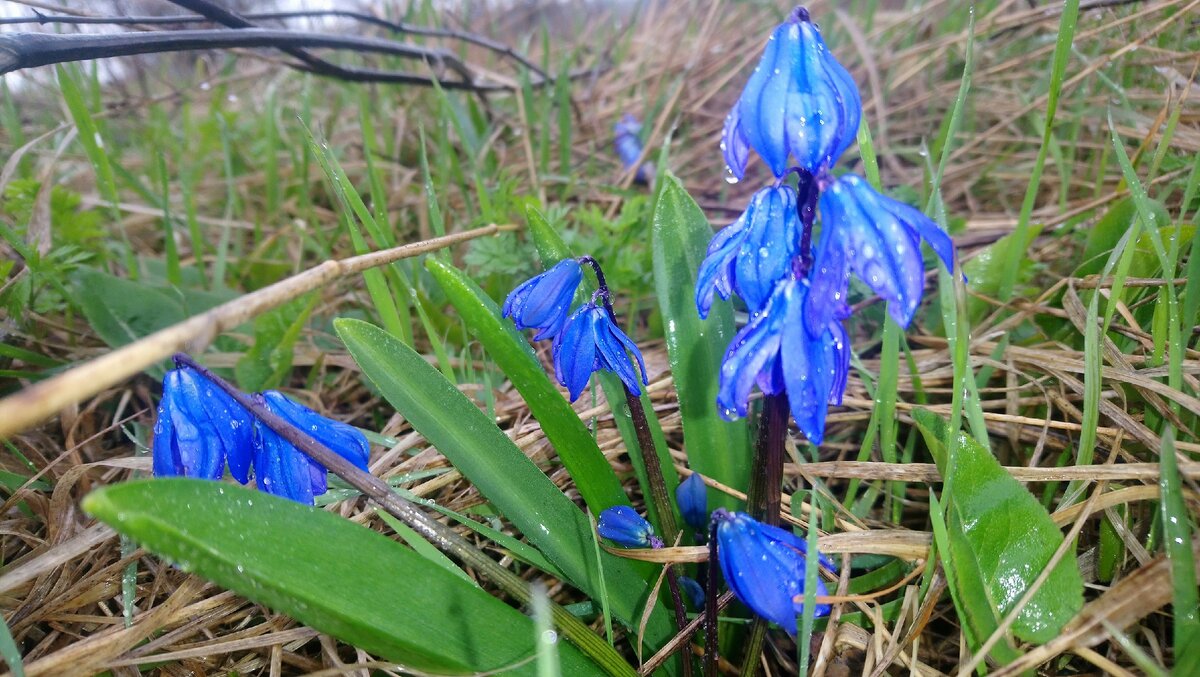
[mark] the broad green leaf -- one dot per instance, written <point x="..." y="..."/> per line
<point x="326" y="572"/>
<point x="593" y="476"/>
<point x="1000" y="539"/>
<point x="717" y="448"/>
<point x="122" y="311"/>
<point x="501" y="472"/>
<point x="1005" y="261"/>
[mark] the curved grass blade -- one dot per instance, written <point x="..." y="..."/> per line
<point x="326" y="572"/>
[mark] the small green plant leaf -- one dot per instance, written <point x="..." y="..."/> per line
<point x="1000" y="539"/>
<point x="326" y="572"/>
<point x="581" y="456"/>
<point x="498" y="468"/>
<point x="717" y="448"/>
<point x="122" y="311"/>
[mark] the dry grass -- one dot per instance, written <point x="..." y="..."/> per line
<point x="61" y="587"/>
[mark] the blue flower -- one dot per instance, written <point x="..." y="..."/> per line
<point x="628" y="145"/>
<point x="764" y="566"/>
<point x="589" y="342"/>
<point x="799" y="101"/>
<point x="542" y="302"/>
<point x="752" y="254"/>
<point x="693" y="590"/>
<point x="880" y="240"/>
<point x="281" y="468"/>
<point x="199" y="429"/>
<point x="692" y="497"/>
<point x="622" y="525"/>
<point x="778" y="353"/>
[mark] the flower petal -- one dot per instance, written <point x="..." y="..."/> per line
<point x="575" y="353"/>
<point x="622" y="525"/>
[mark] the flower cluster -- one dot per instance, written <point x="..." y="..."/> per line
<point x="802" y="106"/>
<point x="201" y="429"/>
<point x="586" y="341"/>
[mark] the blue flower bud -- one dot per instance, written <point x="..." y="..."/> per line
<point x="880" y="240"/>
<point x="694" y="592"/>
<point x="812" y="370"/>
<point x="799" y="101"/>
<point x="764" y="567"/>
<point x="282" y="469"/>
<point x="589" y="342"/>
<point x="628" y="146"/>
<point x="752" y="254"/>
<point x="622" y="525"/>
<point x="692" y="497"/>
<point x="200" y="428"/>
<point x="542" y="302"/>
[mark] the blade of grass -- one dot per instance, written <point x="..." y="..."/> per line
<point x="1062" y="53"/>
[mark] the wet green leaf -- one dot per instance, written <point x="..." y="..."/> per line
<point x="327" y="572"/>
<point x="1000" y="538"/>
<point x="717" y="448"/>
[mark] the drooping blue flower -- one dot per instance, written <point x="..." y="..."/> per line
<point x="752" y="254"/>
<point x="693" y="590"/>
<point x="281" y="468"/>
<point x="764" y="566"/>
<point x="628" y="146"/>
<point x="200" y="428"/>
<point x="692" y="497"/>
<point x="542" y="302"/>
<point x="622" y="525"/>
<point x="589" y="342"/>
<point x="777" y="352"/>
<point x="799" y="102"/>
<point x="880" y="240"/>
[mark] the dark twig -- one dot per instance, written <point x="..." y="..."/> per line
<point x="315" y="64"/>
<point x="396" y="27"/>
<point x="27" y="50"/>
<point x="441" y="536"/>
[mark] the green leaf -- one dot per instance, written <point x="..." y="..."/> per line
<point x="326" y="572"/>
<point x="1005" y="261"/>
<point x="580" y="455"/>
<point x="275" y="335"/>
<point x="1000" y="539"/>
<point x="122" y="311"/>
<point x="498" y="468"/>
<point x="717" y="448"/>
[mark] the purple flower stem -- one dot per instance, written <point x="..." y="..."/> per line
<point x="710" y="606"/>
<point x="662" y="504"/>
<point x="441" y="536"/>
<point x="680" y="617"/>
<point x="654" y="474"/>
